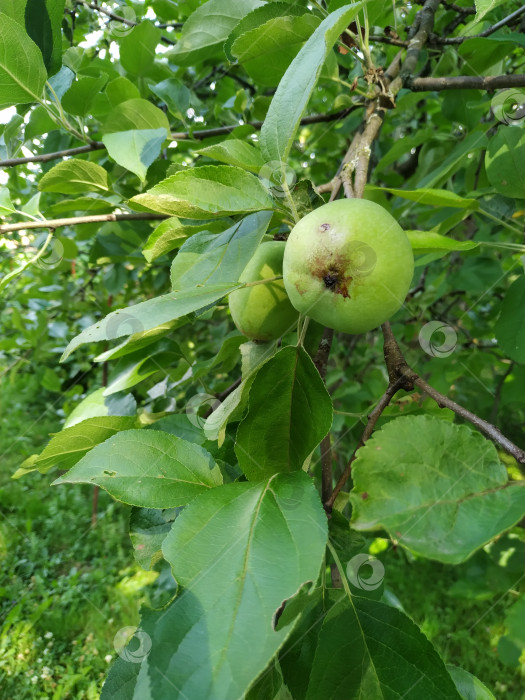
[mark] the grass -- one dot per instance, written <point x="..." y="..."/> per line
<point x="65" y="588"/>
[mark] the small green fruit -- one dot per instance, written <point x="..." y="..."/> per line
<point x="263" y="312"/>
<point x="348" y="265"/>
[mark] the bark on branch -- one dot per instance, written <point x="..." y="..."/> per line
<point x="466" y="82"/>
<point x="196" y="135"/>
<point x="75" y="220"/>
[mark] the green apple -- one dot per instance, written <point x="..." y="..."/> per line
<point x="348" y="265"/>
<point x="263" y="311"/>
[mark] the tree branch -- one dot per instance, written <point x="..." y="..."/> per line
<point x="45" y="157"/>
<point x="458" y="8"/>
<point x="487" y="32"/>
<point x="392" y="40"/>
<point x="75" y="220"/>
<point x="466" y="82"/>
<point x="423" y="24"/>
<point x="196" y="135"/>
<point x="398" y="367"/>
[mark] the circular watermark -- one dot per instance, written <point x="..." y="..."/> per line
<point x="354" y="572"/>
<point x="508" y="106"/>
<point x="198" y="406"/>
<point x="121" y="323"/>
<point x="126" y="22"/>
<point x="441" y="346"/>
<point x="363" y="258"/>
<point x="132" y="644"/>
<point x="291" y="493"/>
<point x="278" y="178"/>
<point x="52" y="256"/>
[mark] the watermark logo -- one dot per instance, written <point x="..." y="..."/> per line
<point x="365" y="572"/>
<point x="291" y="493"/>
<point x="278" y="178"/>
<point x="437" y="339"/>
<point x="363" y="258"/>
<point x="121" y="323"/>
<point x="52" y="256"/>
<point x="127" y="19"/>
<point x="508" y="106"/>
<point x="199" y="407"/>
<point x="132" y="644"/>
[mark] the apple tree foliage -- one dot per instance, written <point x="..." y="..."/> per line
<point x="151" y="148"/>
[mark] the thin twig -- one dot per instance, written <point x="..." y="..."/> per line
<point x="457" y="8"/>
<point x="487" y="32"/>
<point x="45" y="157"/>
<point x="466" y="82"/>
<point x="75" y="220"/>
<point x="196" y="135"/>
<point x="398" y="368"/>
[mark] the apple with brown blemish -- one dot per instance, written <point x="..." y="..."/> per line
<point x="348" y="265"/>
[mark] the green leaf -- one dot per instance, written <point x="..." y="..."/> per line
<point x="456" y="160"/>
<point x="510" y="326"/>
<point x="291" y="98"/>
<point x="504" y="162"/>
<point x="136" y="369"/>
<point x="430" y="242"/>
<point x="436" y="198"/>
<point x="137" y="341"/>
<point x="79" y="98"/>
<point x="43" y="23"/>
<point x="367" y="649"/>
<point x="135" y="114"/>
<point x="89" y="205"/>
<point x="147" y="468"/>
<point x="235" y="152"/>
<point x="253" y="356"/>
<point x="211" y="258"/>
<point x="135" y="150"/>
<point x="428" y="493"/>
<point x="237" y="553"/>
<point x="206" y="29"/>
<point x="22" y="70"/>
<point x="256" y="18"/>
<point x="96" y="404"/>
<point x="210" y="189"/>
<point x="483" y="7"/>
<point x="137" y="49"/>
<point x="6" y="205"/>
<point x="468" y="686"/>
<point x="148" y="314"/>
<point x="74" y="176"/>
<point x="148" y="528"/>
<point x="289" y="413"/>
<point x="402" y="146"/>
<point x="121" y="90"/>
<point x="69" y="445"/>
<point x="266" y="51"/>
<point x="172" y="233"/>
<point x="175" y="94"/>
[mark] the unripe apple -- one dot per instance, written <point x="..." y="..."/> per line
<point x="263" y="311"/>
<point x="348" y="265"/>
